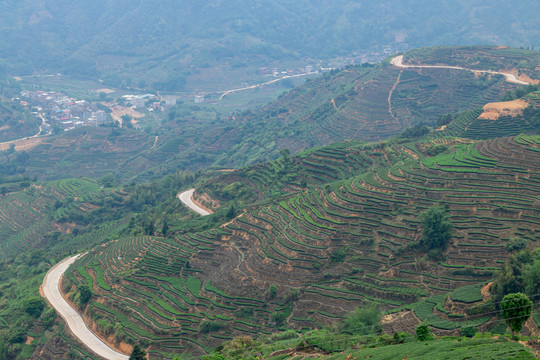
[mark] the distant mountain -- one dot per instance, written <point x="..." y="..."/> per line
<point x="164" y="37"/>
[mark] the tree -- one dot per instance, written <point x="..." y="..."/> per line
<point x="272" y="291"/>
<point x="516" y="309"/>
<point x="84" y="293"/>
<point x="531" y="277"/>
<point x="165" y="228"/>
<point x="437" y="228"/>
<point x="137" y="353"/>
<point x="517" y="275"/>
<point x="468" y="331"/>
<point x="34" y="306"/>
<point x="423" y="332"/>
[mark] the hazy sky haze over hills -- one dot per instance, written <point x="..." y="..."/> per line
<point x="69" y="35"/>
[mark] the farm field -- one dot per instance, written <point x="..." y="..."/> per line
<point x="308" y="259"/>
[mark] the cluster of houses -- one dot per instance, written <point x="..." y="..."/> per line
<point x="356" y="58"/>
<point x="150" y="102"/>
<point x="63" y="111"/>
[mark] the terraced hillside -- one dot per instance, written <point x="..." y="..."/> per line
<point x="356" y="103"/>
<point x="312" y="256"/>
<point x="522" y="62"/>
<point x="497" y="119"/>
<point x="128" y="154"/>
<point x="359" y="104"/>
<point x="28" y="216"/>
<point x="307" y="169"/>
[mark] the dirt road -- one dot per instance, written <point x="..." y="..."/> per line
<point x="75" y="322"/>
<point x="29" y="141"/>
<point x="398" y="61"/>
<point x="263" y="84"/>
<point x="186" y="198"/>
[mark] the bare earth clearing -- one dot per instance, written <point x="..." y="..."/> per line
<point x="118" y="111"/>
<point x="494" y="111"/>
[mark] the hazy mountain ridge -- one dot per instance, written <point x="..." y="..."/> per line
<point x="72" y="34"/>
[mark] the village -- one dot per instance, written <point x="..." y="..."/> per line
<point x="60" y="112"/>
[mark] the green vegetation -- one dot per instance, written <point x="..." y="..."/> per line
<point x="362" y="321"/>
<point x="516" y="309"/>
<point x="423" y="332"/>
<point x="252" y="39"/>
<point x="294" y="243"/>
<point x="520" y="273"/>
<point x="436" y="228"/>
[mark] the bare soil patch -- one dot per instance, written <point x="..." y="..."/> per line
<point x="26" y="145"/>
<point x="118" y="111"/>
<point x="494" y="111"/>
<point x="527" y="78"/>
<point x="486" y="295"/>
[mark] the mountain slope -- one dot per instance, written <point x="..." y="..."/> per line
<point x="309" y="258"/>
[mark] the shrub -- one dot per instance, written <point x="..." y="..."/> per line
<point x="516" y="244"/>
<point x="516" y="310"/>
<point x="400" y="337"/>
<point x="17" y="336"/>
<point x="285" y="335"/>
<point x="468" y="331"/>
<point x="362" y="321"/>
<point x="338" y="256"/>
<point x="84" y="293"/>
<point x="245" y="312"/>
<point x="210" y="326"/>
<point x="437" y="228"/>
<point x="272" y="291"/>
<point x="279" y="317"/>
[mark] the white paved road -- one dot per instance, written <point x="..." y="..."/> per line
<point x="398" y="61"/>
<point x="74" y="321"/>
<point x="186" y="198"/>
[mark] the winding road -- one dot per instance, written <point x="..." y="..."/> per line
<point x="51" y="291"/>
<point x="38" y="134"/>
<point x="225" y="93"/>
<point x="186" y="198"/>
<point x="75" y="322"/>
<point x="398" y="61"/>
